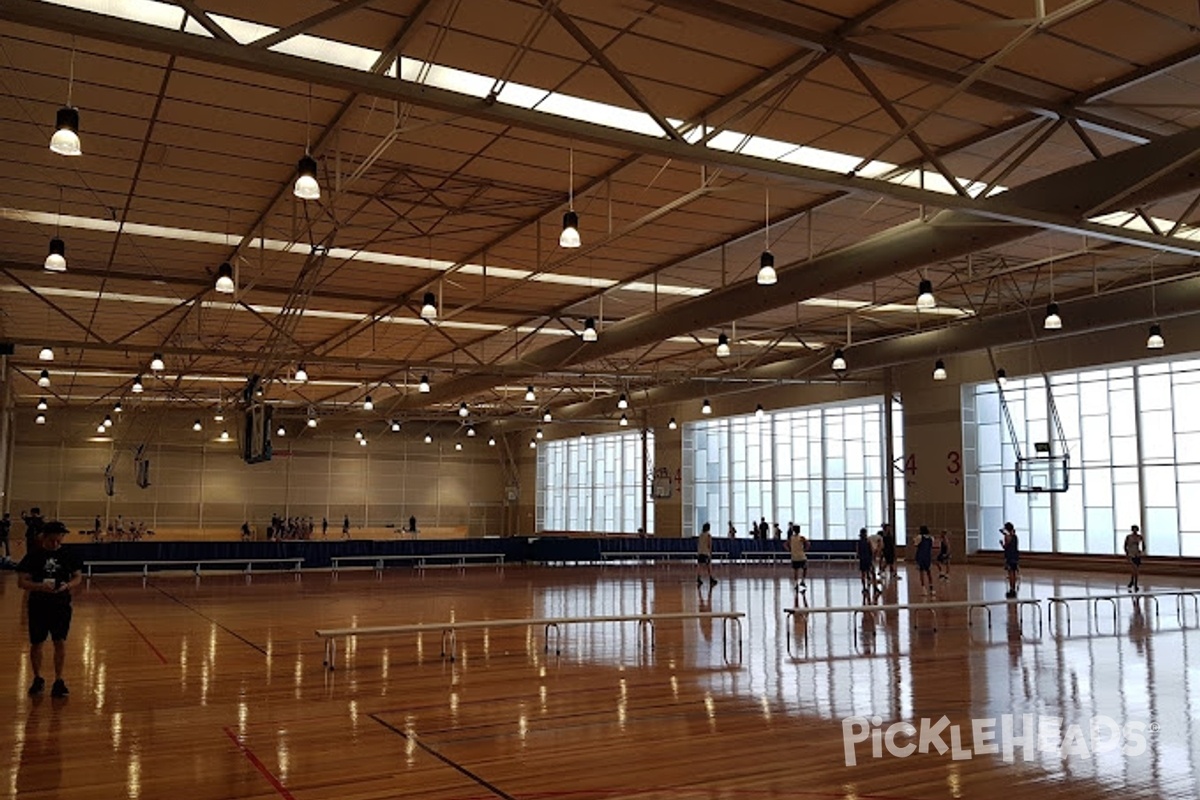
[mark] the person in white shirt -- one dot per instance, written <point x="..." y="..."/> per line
<point x="798" y="548"/>
<point x="704" y="556"/>
<point x="1135" y="548"/>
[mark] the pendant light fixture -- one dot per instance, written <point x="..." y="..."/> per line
<point x="137" y="387"/>
<point x="306" y="186"/>
<point x="301" y="373"/>
<point x="839" y="361"/>
<point x="471" y="431"/>
<point x="547" y="416"/>
<point x="766" y="262"/>
<point x="423" y="386"/>
<point x="108" y="422"/>
<point x="395" y="426"/>
<point x="589" y="330"/>
<point x="117" y="409"/>
<point x="224" y="436"/>
<point x="428" y="439"/>
<point x="156" y="363"/>
<point x="538" y="434"/>
<point x="758" y="412"/>
<point x="491" y="441"/>
<point x="368" y="403"/>
<point x="42" y="406"/>
<point x="463" y="411"/>
<point x="530" y="397"/>
<point x="281" y="431"/>
<point x="706" y="407"/>
<point x="46" y="354"/>
<point x="1001" y="377"/>
<point x="44" y="379"/>
<point x="429" y="310"/>
<point x="101" y="429"/>
<point x="358" y="434"/>
<point x="362" y="442"/>
<point x="622" y="403"/>
<point x="196" y="426"/>
<point x="312" y="421"/>
<point x="1155" y="340"/>
<point x="722" y="346"/>
<point x="1053" y="321"/>
<point x="65" y="140"/>
<point x="225" y="283"/>
<point x="40" y="419"/>
<point x="672" y="424"/>
<point x="533" y="444"/>
<point x="569" y="238"/>
<point x="458" y="446"/>
<point x="624" y="421"/>
<point x="925" y="299"/>
<point x="939" y="370"/>
<point x="56" y="258"/>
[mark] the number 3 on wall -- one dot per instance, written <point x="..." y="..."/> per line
<point x="953" y="462"/>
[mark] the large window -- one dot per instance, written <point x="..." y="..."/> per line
<point x="823" y="467"/>
<point x="1133" y="434"/>
<point x="595" y="483"/>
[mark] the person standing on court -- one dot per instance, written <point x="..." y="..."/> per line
<point x="1012" y="557"/>
<point x="866" y="561"/>
<point x="346" y="527"/>
<point x="943" y="557"/>
<point x="925" y="560"/>
<point x="48" y="574"/>
<point x="798" y="547"/>
<point x="889" y="549"/>
<point x="704" y="556"/>
<point x="1135" y="548"/>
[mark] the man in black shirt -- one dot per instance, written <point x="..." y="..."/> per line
<point x="49" y="573"/>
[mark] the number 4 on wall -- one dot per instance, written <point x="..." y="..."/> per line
<point x="910" y="464"/>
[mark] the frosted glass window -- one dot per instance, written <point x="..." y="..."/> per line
<point x="598" y="484"/>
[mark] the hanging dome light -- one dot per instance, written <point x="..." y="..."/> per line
<point x="547" y="416"/>
<point x="281" y="431"/>
<point x="56" y="258"/>
<point x="939" y="370"/>
<point x="46" y="354"/>
<point x="925" y="299"/>
<point x="1053" y="321"/>
<point x="368" y="404"/>
<point x="839" y="361"/>
<point x="583" y="436"/>
<point x="428" y="439"/>
<point x="101" y="429"/>
<point x="306" y="187"/>
<point x="533" y="444"/>
<point x="117" y="408"/>
<point x="41" y="406"/>
<point x="672" y="424"/>
<point x="539" y="434"/>
<point x="40" y="419"/>
<point x="108" y="422"/>
<point x="706" y="407"/>
<point x="65" y="140"/>
<point x="1001" y="377"/>
<point x="301" y="373"/>
<point x="44" y="379"/>
<point x="463" y="411"/>
<point x="589" y="330"/>
<point x="530" y="397"/>
<point x="225" y="284"/>
<point x="623" y="421"/>
<point x="423" y="387"/>
<point x="622" y="403"/>
<point x="491" y="441"/>
<point x="766" y="269"/>
<point x="471" y="431"/>
<point x="758" y="412"/>
<point x="196" y="426"/>
<point x="569" y="238"/>
<point x="429" y="307"/>
<point x="1155" y="340"/>
<point x="156" y="363"/>
<point x="224" y="436"/>
<point x="312" y="422"/>
<point x="218" y="417"/>
<point x="722" y="346"/>
<point x="137" y="387"/>
<point x="395" y="426"/>
<point x="362" y="442"/>
<point x="358" y="434"/>
<point x="458" y="446"/>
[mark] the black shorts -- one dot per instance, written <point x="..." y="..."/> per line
<point x="49" y="620"/>
<point x="944" y="558"/>
<point x="703" y="559"/>
<point x="924" y="565"/>
<point x="889" y="556"/>
<point x="800" y="564"/>
<point x="1136" y="561"/>
<point x="1012" y="565"/>
<point x="865" y="565"/>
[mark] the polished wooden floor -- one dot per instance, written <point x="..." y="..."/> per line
<point x="215" y="689"/>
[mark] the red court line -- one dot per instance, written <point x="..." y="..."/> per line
<point x="136" y="629"/>
<point x="258" y="765"/>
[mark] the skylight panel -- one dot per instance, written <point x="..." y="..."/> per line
<point x="564" y="105"/>
<point x="521" y="96"/>
<point x="160" y="15"/>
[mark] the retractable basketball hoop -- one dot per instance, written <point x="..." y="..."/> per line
<point x="1049" y="468"/>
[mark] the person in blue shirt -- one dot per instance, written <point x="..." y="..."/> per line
<point x="866" y="561"/>
<point x="1012" y="557"/>
<point x="925" y="560"/>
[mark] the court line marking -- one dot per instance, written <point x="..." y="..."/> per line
<point x="202" y="615"/>
<point x="136" y="629"/>
<point x="258" y="765"/>
<point x="412" y="737"/>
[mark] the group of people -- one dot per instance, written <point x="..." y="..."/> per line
<point x="877" y="558"/>
<point x="763" y="530"/>
<point x="293" y="528"/>
<point x="118" y="530"/>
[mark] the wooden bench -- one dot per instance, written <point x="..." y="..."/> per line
<point x="1064" y="602"/>
<point x="195" y="563"/>
<point x="448" y="630"/>
<point x="915" y="609"/>
<point x="419" y="561"/>
<point x="655" y="555"/>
